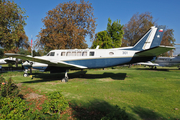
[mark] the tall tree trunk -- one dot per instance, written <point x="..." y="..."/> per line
<point x="16" y="62"/>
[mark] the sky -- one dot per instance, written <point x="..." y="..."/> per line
<point x="165" y="12"/>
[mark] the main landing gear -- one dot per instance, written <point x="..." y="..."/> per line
<point x="25" y="73"/>
<point x="65" y="79"/>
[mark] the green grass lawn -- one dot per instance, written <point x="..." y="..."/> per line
<point x="145" y="93"/>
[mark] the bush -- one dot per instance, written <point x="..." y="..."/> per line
<point x="13" y="107"/>
<point x="117" y="114"/>
<point x="8" y="88"/>
<point x="55" y="104"/>
<point x="2" y="80"/>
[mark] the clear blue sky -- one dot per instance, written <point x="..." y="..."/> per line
<point x="166" y="12"/>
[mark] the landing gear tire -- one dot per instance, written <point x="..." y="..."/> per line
<point x="65" y="80"/>
<point x="25" y="74"/>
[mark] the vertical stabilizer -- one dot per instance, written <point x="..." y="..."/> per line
<point x="158" y="36"/>
<point x="152" y="38"/>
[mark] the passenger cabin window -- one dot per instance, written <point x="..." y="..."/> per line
<point x="78" y="53"/>
<point x="68" y="54"/>
<point x="73" y="53"/>
<point x="84" y="53"/>
<point x="62" y="53"/>
<point x="91" y="53"/>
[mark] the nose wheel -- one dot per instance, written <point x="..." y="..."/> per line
<point x="25" y="74"/>
<point x="65" y="79"/>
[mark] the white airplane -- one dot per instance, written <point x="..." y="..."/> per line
<point x="164" y="62"/>
<point x="62" y="60"/>
<point x="7" y="60"/>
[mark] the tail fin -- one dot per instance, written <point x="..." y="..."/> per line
<point x="151" y="39"/>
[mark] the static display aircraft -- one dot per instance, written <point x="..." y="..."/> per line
<point x="62" y="60"/>
<point x="7" y="60"/>
<point x="164" y="62"/>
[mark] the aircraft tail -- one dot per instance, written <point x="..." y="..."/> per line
<point x="152" y="38"/>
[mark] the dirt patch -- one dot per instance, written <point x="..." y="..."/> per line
<point x="33" y="96"/>
<point x="54" y="83"/>
<point x="105" y="80"/>
<point x="35" y="100"/>
<point x="19" y="84"/>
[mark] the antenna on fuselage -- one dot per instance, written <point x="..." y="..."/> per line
<point x="97" y="47"/>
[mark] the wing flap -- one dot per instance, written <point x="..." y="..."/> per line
<point x="154" y="51"/>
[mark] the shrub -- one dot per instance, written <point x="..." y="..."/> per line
<point x="13" y="108"/>
<point x="2" y="80"/>
<point x="55" y="104"/>
<point x="8" y="88"/>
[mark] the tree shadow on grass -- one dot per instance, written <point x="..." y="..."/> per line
<point x="45" y="77"/>
<point x="97" y="110"/>
<point x="147" y="114"/>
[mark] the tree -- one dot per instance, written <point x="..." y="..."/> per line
<point x="115" y="32"/>
<point x="103" y="40"/>
<point x="168" y="40"/>
<point x="110" y="38"/>
<point x="12" y="22"/>
<point x="1" y="53"/>
<point x="138" y="25"/>
<point x="66" y="26"/>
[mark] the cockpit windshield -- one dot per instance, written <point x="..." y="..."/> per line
<point x="51" y="54"/>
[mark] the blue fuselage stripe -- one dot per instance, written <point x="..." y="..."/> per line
<point x="100" y="63"/>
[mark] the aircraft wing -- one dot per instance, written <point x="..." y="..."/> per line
<point x="10" y="61"/>
<point x="154" y="51"/>
<point x="40" y="60"/>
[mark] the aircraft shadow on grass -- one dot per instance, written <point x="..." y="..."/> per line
<point x="79" y="74"/>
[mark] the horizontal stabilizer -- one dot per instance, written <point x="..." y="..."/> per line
<point x="154" y="51"/>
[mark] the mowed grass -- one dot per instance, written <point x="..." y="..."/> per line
<point x="145" y="93"/>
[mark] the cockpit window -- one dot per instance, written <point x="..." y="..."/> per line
<point x="48" y="54"/>
<point x="52" y="53"/>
